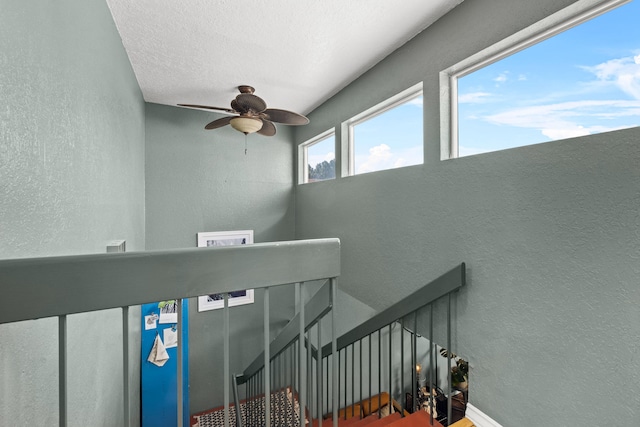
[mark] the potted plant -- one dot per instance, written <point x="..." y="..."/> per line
<point x="459" y="372"/>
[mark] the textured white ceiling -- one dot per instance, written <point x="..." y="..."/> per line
<point x="296" y="53"/>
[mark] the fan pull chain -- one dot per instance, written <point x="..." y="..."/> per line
<point x="245" y="144"/>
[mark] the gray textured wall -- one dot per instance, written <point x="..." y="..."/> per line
<point x="549" y="318"/>
<point x="71" y="180"/>
<point x="199" y="180"/>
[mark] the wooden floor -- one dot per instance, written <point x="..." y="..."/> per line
<point x="361" y="414"/>
<point x="417" y="419"/>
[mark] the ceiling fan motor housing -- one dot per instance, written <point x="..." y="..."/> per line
<point x="253" y="114"/>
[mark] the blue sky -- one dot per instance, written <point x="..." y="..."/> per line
<point x="390" y="140"/>
<point x="583" y="81"/>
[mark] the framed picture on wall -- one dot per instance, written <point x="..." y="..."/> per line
<point x="225" y="238"/>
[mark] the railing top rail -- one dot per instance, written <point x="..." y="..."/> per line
<point x="34" y="288"/>
<point x="447" y="283"/>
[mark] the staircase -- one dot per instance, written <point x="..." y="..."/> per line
<point x="331" y="381"/>
<point x="286" y="416"/>
<point x="302" y="378"/>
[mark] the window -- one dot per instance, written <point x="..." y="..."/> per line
<point x="580" y="75"/>
<point x="318" y="158"/>
<point x="387" y="136"/>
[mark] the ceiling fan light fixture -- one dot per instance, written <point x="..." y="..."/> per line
<point x="246" y="125"/>
<point x="252" y="114"/>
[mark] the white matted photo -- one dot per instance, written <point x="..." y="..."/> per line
<point x="225" y="238"/>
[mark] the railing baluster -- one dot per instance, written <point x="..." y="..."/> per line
<point x="353" y="396"/>
<point x="360" y="373"/>
<point x="293" y="380"/>
<point x="319" y="373"/>
<point x="282" y="387"/>
<point x="62" y="370"/>
<point x="249" y="398"/>
<point x="390" y="370"/>
<point x="309" y="377"/>
<point x="339" y="371"/>
<point x="179" y="365"/>
<point x="346" y="391"/>
<point x="285" y="384"/>
<point x="414" y="362"/>
<point x="302" y="374"/>
<point x="227" y="373"/>
<point x="125" y="366"/>
<point x="334" y="347"/>
<point x="402" y="366"/>
<point x="369" y="377"/>
<point x="329" y="407"/>
<point x="449" y="358"/>
<point x="433" y="379"/>
<point x="267" y="361"/>
<point x="379" y="372"/>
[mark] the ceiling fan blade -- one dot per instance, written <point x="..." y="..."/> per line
<point x="248" y="101"/>
<point x="219" y="123"/>
<point x="286" y="117"/>
<point x="206" y="107"/>
<point x="268" y="128"/>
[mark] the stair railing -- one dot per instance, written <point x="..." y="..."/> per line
<point x="441" y="288"/>
<point x="35" y="288"/>
<point x="311" y="377"/>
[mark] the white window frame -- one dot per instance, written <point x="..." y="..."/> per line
<point x="303" y="158"/>
<point x="571" y="16"/>
<point x="347" y="140"/>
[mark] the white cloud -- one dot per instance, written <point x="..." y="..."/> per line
<point x="562" y="120"/>
<point x="382" y="157"/>
<point x="522" y="77"/>
<point x="622" y="72"/>
<point x="416" y="101"/>
<point x="473" y="97"/>
<point x="502" y="77"/>
<point x="571" y="131"/>
<point x="379" y="156"/>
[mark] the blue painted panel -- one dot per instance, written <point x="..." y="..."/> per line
<point x="159" y="385"/>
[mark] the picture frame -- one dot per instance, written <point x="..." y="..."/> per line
<point x="224" y="238"/>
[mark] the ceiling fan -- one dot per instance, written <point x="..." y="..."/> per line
<point x="250" y="114"/>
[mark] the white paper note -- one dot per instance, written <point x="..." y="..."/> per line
<point x="150" y="322"/>
<point x="170" y="338"/>
<point x="168" y="317"/>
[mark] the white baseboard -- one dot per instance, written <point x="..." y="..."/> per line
<point x="479" y="418"/>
